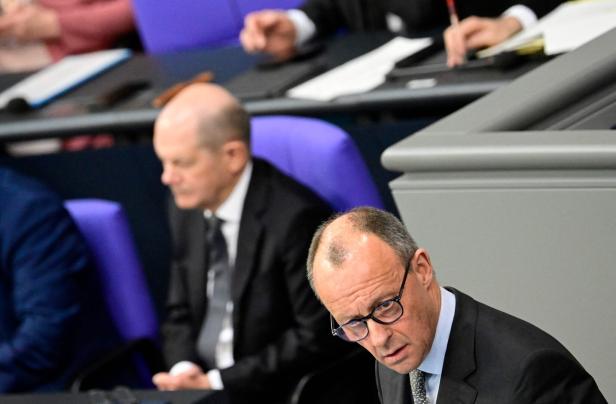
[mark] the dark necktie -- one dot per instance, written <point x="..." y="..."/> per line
<point x="418" y="387"/>
<point x="219" y="274"/>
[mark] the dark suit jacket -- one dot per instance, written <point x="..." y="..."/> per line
<point x="51" y="319"/>
<point x="493" y="357"/>
<point x="280" y="329"/>
<point x="419" y="16"/>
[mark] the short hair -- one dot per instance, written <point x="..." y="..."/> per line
<point x="365" y="219"/>
<point x="231" y="122"/>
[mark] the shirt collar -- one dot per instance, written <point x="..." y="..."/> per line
<point x="433" y="363"/>
<point x="230" y="211"/>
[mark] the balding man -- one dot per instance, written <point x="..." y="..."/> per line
<point x="433" y="345"/>
<point x="265" y="329"/>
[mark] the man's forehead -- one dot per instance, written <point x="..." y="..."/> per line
<point x="174" y="119"/>
<point x="354" y="287"/>
<point x="341" y="240"/>
<point x="339" y="251"/>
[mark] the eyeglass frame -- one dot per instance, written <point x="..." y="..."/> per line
<point x="339" y="332"/>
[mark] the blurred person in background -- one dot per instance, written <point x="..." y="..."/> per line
<point x="283" y="33"/>
<point x="52" y="322"/>
<point x="36" y="33"/>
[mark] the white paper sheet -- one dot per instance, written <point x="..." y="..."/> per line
<point x="565" y="38"/>
<point x="568" y="26"/>
<point x="360" y="74"/>
<point x="54" y="80"/>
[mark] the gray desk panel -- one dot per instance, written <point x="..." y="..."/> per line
<point x="526" y="220"/>
<point x="129" y="120"/>
<point x="67" y="116"/>
<point x="152" y="396"/>
<point x="530" y="150"/>
<point x="543" y="91"/>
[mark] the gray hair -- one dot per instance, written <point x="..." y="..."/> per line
<point x="365" y="219"/>
<point x="231" y="122"/>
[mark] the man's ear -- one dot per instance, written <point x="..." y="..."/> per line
<point x="236" y="155"/>
<point x="422" y="266"/>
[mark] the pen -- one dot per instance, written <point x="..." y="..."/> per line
<point x="453" y="14"/>
<point x="454" y="20"/>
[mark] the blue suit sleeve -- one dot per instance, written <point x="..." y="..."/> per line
<point x="43" y="258"/>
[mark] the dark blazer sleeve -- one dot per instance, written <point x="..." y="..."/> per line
<point x="420" y="16"/>
<point x="329" y="16"/>
<point x="43" y="258"/>
<point x="306" y="343"/>
<point x="548" y="376"/>
<point x="178" y="329"/>
<point x="541" y="7"/>
<point x="496" y="8"/>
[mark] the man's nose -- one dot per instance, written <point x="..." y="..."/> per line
<point x="169" y="176"/>
<point x="379" y="334"/>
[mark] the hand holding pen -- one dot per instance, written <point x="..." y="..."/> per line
<point x="454" y="38"/>
<point x="474" y="33"/>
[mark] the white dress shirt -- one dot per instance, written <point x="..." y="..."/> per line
<point x="432" y="365"/>
<point x="230" y="211"/>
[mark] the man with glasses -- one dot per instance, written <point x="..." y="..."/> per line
<point x="432" y="344"/>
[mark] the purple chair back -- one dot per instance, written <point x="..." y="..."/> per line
<point x="319" y="155"/>
<point x="173" y="25"/>
<point x="248" y="6"/>
<point x="107" y="234"/>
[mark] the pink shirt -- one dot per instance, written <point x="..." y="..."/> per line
<point x="88" y="25"/>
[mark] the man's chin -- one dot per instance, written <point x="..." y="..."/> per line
<point x="185" y="202"/>
<point x="401" y="368"/>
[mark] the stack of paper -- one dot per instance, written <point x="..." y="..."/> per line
<point x="53" y="81"/>
<point x="360" y="74"/>
<point x="567" y="27"/>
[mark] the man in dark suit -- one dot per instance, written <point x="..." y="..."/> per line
<point x="274" y="330"/>
<point x="51" y="320"/>
<point x="433" y="345"/>
<point x="282" y="33"/>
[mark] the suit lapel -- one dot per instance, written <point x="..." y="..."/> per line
<point x="460" y="356"/>
<point x="197" y="279"/>
<point x="393" y="387"/>
<point x="251" y="232"/>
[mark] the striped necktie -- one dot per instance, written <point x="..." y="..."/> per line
<point x="219" y="274"/>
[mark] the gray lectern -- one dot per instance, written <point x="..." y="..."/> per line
<point x="515" y="198"/>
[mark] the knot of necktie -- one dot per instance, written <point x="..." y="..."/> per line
<point x="213" y="225"/>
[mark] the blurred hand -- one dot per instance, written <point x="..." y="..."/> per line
<point x="269" y="31"/>
<point x="476" y="33"/>
<point x="189" y="378"/>
<point x="29" y="23"/>
<point x="9" y="6"/>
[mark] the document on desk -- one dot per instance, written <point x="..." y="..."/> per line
<point x="568" y="26"/>
<point x="55" y="80"/>
<point x="588" y="23"/>
<point x="360" y="74"/>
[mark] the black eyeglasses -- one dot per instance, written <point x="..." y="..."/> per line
<point x="387" y="312"/>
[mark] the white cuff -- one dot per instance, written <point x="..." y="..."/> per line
<point x="215" y="380"/>
<point x="304" y="27"/>
<point x="525" y="15"/>
<point x="181" y="367"/>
